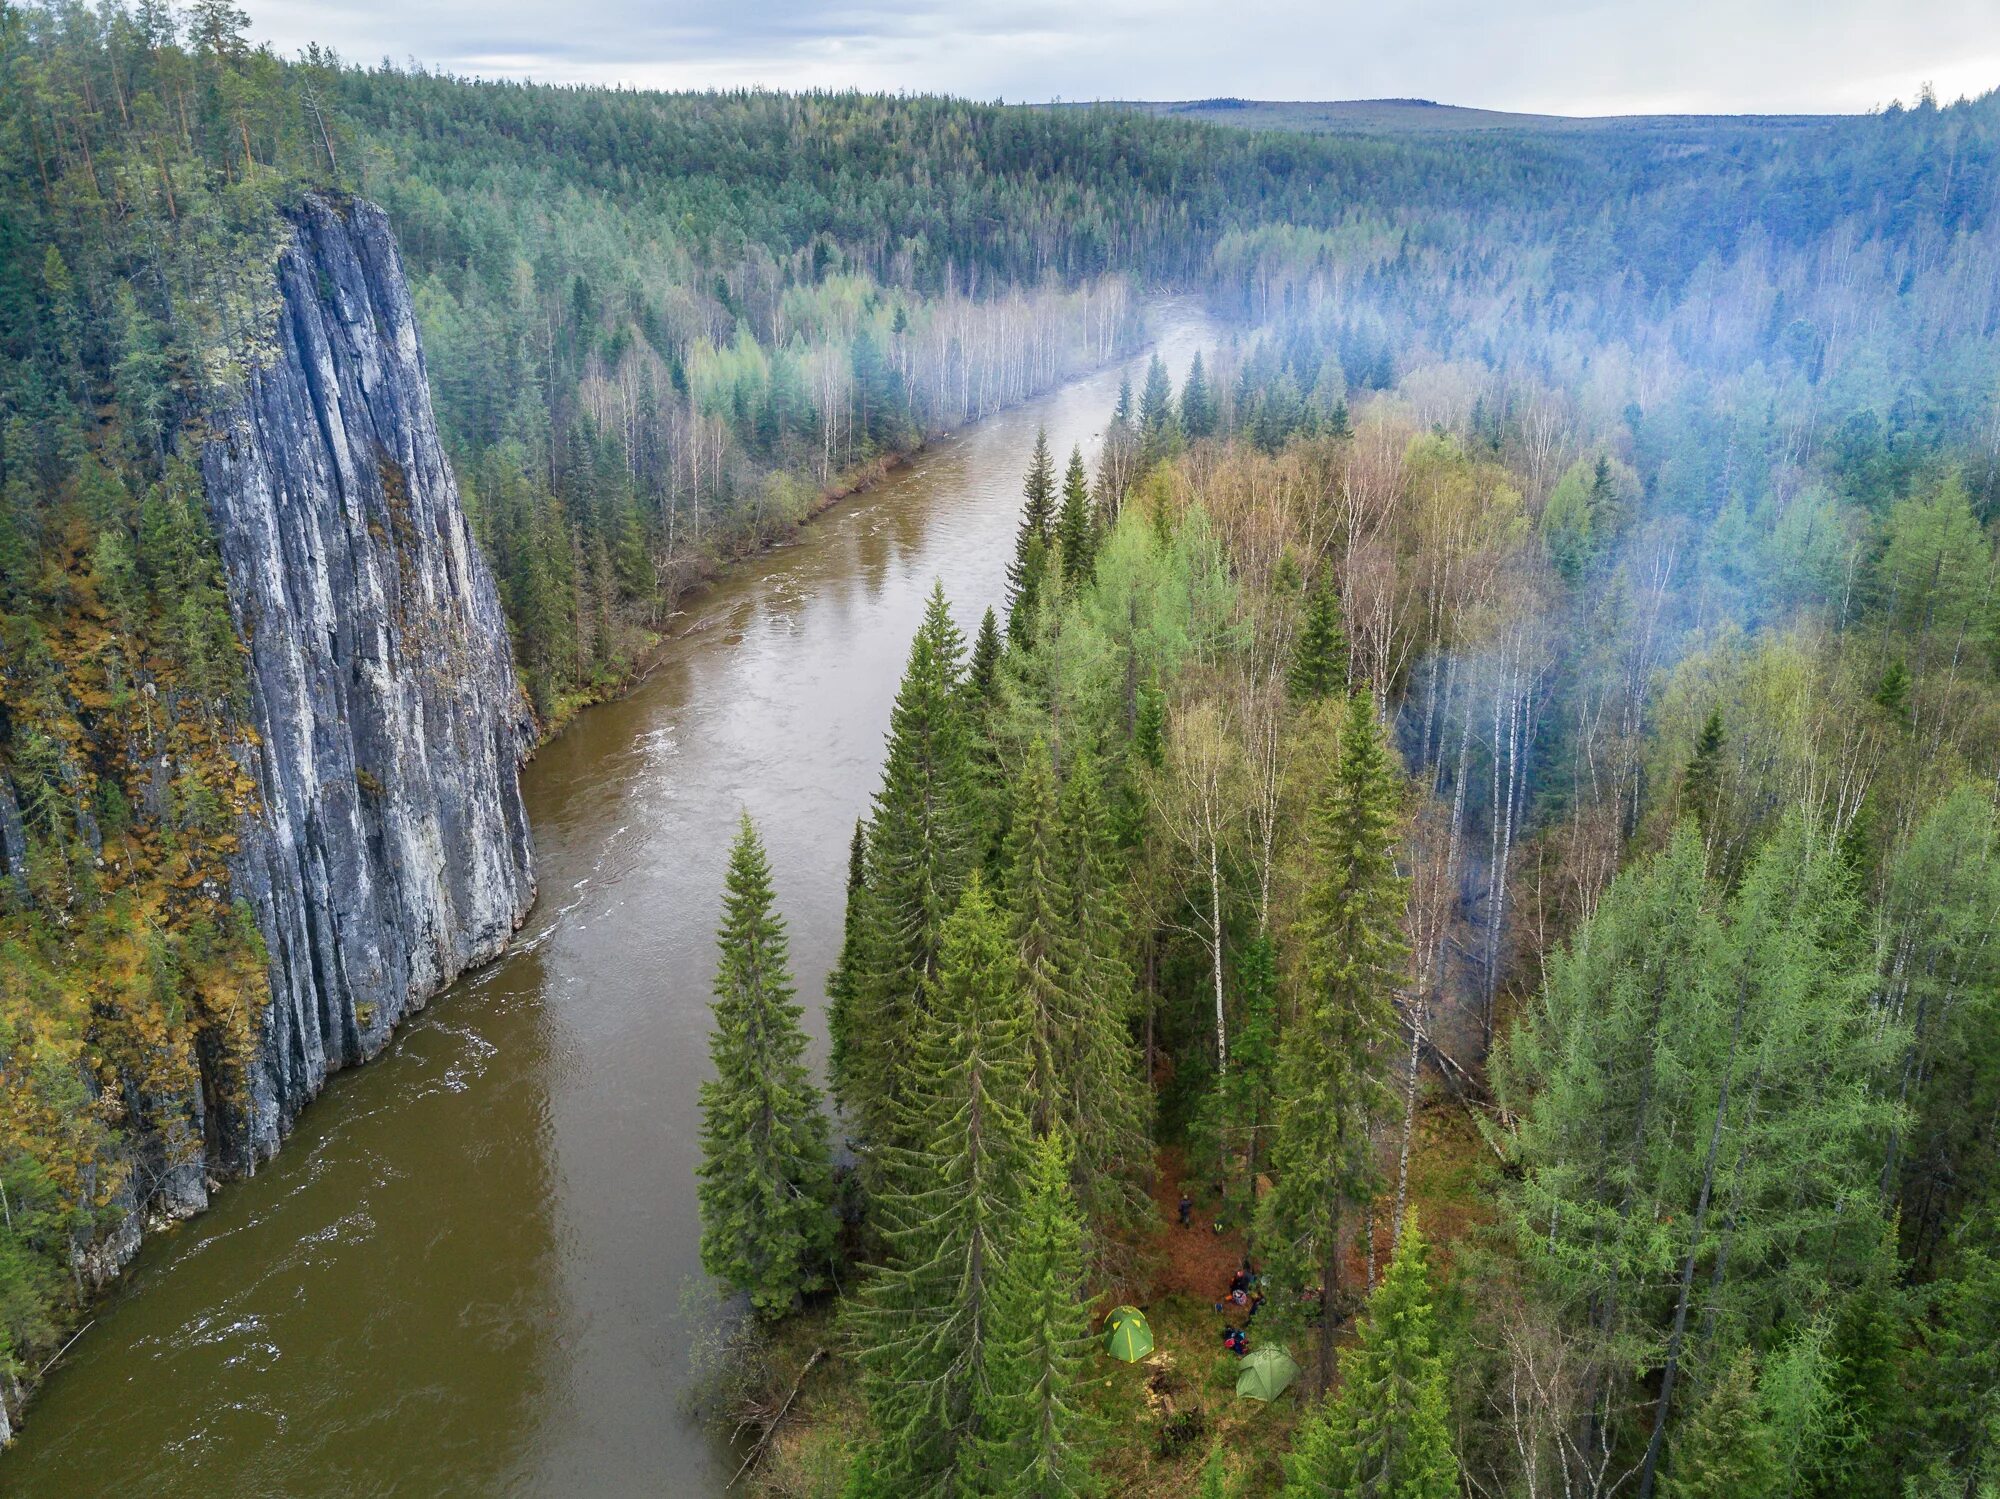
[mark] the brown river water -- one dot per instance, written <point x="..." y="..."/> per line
<point x="465" y="1273"/>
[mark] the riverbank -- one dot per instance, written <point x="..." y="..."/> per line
<point x="703" y="570"/>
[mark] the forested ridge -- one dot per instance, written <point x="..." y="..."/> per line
<point x="1488" y="785"/>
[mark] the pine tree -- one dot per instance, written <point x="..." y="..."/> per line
<point x="1032" y="541"/>
<point x="1866" y="1352"/>
<point x="1319" y="666"/>
<point x="1892" y="693"/>
<point x="1331" y="1064"/>
<point x="922" y="843"/>
<point x="1121" y="410"/>
<point x="1159" y="430"/>
<point x="840" y="984"/>
<point x="766" y="1186"/>
<point x="1726" y="1451"/>
<point x="1245" y="1105"/>
<point x="1076" y="526"/>
<point x="988" y="774"/>
<point x="1034" y="1430"/>
<point x="1388" y="1432"/>
<point x="1070" y="938"/>
<point x="947" y="1205"/>
<point x="1110" y="1107"/>
<point x="1149" y="736"/>
<point x="1197" y="405"/>
<point x="1039" y="905"/>
<point x="1702" y="785"/>
<point x="983" y="676"/>
<point x="1957" y="1368"/>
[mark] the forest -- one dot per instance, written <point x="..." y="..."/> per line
<point x="1488" y="798"/>
<point x="1484" y="789"/>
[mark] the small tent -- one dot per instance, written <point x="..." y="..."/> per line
<point x="1265" y="1373"/>
<point x="1128" y="1335"/>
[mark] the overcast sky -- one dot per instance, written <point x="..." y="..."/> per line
<point x="1551" y="56"/>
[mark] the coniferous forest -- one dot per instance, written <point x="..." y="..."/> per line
<point x="1475" y="815"/>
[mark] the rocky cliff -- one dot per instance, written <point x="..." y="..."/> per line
<point x="392" y="850"/>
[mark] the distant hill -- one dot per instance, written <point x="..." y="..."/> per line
<point x="1400" y="116"/>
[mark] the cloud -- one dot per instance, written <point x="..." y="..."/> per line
<point x="1550" y="56"/>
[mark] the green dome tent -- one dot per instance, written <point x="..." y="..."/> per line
<point x="1266" y="1373"/>
<point x="1127" y="1334"/>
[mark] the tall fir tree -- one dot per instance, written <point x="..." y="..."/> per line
<point x="922" y="843"/>
<point x="1159" y="427"/>
<point x="1086" y="1083"/>
<point x="1319" y="662"/>
<point x="1957" y="1368"/>
<point x="1244" y="1108"/>
<point x="1076" y="526"/>
<point x="988" y="773"/>
<point x="1033" y="541"/>
<point x="1332" y="1061"/>
<point x="947" y="1205"/>
<point x="1039" y="907"/>
<point x="1387" y="1434"/>
<point x="1726" y="1451"/>
<point x="840" y="984"/>
<point x="766" y="1188"/>
<point x="1701" y="787"/>
<point x="1035" y="1433"/>
<point x="1197" y="405"/>
<point x="983" y="675"/>
<point x="1110" y="1110"/>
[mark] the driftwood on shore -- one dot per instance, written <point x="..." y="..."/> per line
<point x="771" y="1425"/>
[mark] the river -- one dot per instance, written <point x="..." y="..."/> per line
<point x="466" y="1272"/>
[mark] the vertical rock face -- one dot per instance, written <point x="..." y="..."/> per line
<point x="393" y="850"/>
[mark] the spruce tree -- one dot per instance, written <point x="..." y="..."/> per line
<point x="840" y="984"/>
<point x="922" y="843"/>
<point x="1076" y="526"/>
<point x="1197" y="405"/>
<point x="1388" y="1432"/>
<point x="1070" y="938"/>
<point x="1033" y="1429"/>
<point x="1033" y="540"/>
<point x="988" y="774"/>
<point x="1159" y="429"/>
<point x="947" y="1205"/>
<point x="1332" y="1060"/>
<point x="766" y="1186"/>
<point x="1701" y="786"/>
<point x="1957" y="1367"/>
<point x="1726" y="1451"/>
<point x="1319" y="664"/>
<point x="1149" y="735"/>
<point x="1245" y="1105"/>
<point x="983" y="676"/>
<point x="1039" y="907"/>
<point x="1110" y="1109"/>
